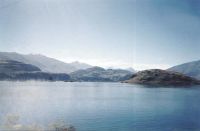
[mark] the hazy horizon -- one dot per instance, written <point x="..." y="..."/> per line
<point x="141" y="34"/>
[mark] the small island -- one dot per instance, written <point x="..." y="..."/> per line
<point x="162" y="78"/>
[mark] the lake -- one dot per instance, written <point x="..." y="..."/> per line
<point x="101" y="106"/>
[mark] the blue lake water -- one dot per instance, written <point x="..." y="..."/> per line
<point x="102" y="106"/>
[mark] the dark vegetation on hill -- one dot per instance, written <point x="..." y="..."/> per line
<point x="162" y="77"/>
<point x="14" y="70"/>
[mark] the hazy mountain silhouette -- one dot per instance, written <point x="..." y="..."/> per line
<point x="190" y="69"/>
<point x="45" y="63"/>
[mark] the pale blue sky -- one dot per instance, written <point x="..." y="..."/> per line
<point x="121" y="33"/>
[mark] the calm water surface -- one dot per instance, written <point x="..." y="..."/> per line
<point x="102" y="106"/>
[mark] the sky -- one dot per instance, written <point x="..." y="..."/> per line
<point x="141" y="34"/>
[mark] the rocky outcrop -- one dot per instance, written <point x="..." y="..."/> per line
<point x="161" y="77"/>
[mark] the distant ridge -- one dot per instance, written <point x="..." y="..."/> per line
<point x="191" y="69"/>
<point x="100" y="74"/>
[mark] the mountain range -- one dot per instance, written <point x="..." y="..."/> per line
<point x="15" y="66"/>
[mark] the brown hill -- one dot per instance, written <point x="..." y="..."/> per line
<point x="161" y="77"/>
